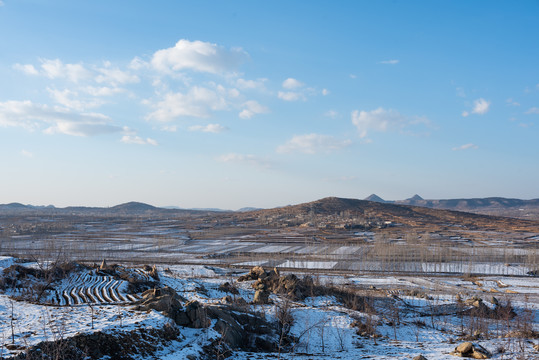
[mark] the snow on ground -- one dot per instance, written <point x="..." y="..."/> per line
<point x="33" y="323"/>
<point x="303" y="264"/>
<point x="6" y="261"/>
<point x="322" y="326"/>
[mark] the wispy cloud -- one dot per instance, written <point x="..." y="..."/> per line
<point x="210" y="128"/>
<point x="115" y="76"/>
<point x="251" y="108"/>
<point x="533" y="110"/>
<point x="31" y="116"/>
<point x="197" y="102"/>
<point x="258" y="84"/>
<point x="72" y="100"/>
<point x="244" y="159"/>
<point x="383" y="120"/>
<point x="290" y="96"/>
<point x="133" y="139"/>
<point x="465" y="147"/>
<point x="56" y="69"/>
<point x="28" y="69"/>
<point x="312" y="144"/>
<point x="27" y="153"/>
<point x="295" y="90"/>
<point x="512" y="102"/>
<point x="331" y="114"/>
<point x="390" y="62"/>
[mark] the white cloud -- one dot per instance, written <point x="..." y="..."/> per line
<point x="198" y="56"/>
<point x="169" y="128"/>
<point x="1" y="3"/>
<point x="133" y="139"/>
<point x="32" y="116"/>
<point x="244" y="159"/>
<point x="55" y="69"/>
<point x="69" y="98"/>
<point x="465" y="113"/>
<point x="312" y="144"/>
<point x="480" y="106"/>
<point x="28" y="69"/>
<point x="251" y="108"/>
<point x="198" y="102"/>
<point x="325" y="92"/>
<point x="115" y="76"/>
<point x="465" y="147"/>
<point x="291" y="96"/>
<point x="297" y="91"/>
<point x="510" y="101"/>
<point x="210" y="128"/>
<point x="258" y="84"/>
<point x="377" y="120"/>
<point x="331" y="114"/>
<point x="390" y="62"/>
<point x="533" y="110"/>
<point x="27" y="153"/>
<point x="103" y="90"/>
<point x="292" y="83"/>
<point x="353" y="76"/>
<point x="137" y="64"/>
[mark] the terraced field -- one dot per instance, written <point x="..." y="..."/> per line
<point x="91" y="288"/>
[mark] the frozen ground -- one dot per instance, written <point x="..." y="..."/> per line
<point x="406" y="316"/>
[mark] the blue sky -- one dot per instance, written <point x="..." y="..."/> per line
<point x="251" y="103"/>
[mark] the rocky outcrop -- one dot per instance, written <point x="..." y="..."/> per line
<point x="238" y="329"/>
<point x="267" y="282"/>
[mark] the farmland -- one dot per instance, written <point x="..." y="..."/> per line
<point x="346" y="280"/>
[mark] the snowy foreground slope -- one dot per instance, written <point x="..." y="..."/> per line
<point x="322" y="316"/>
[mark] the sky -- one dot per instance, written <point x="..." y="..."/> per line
<point x="230" y="104"/>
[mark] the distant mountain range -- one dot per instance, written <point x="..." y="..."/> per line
<point x="130" y="208"/>
<point x="489" y="206"/>
<point x="498" y="206"/>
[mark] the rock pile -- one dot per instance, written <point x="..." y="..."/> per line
<point x="267" y="282"/>
<point x="480" y="309"/>
<point x="471" y="350"/>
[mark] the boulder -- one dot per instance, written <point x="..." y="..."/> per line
<point x="261" y="297"/>
<point x="419" y="357"/>
<point x="162" y="299"/>
<point x="229" y="288"/>
<point x="471" y="350"/>
<point x="464" y="348"/>
<point x="256" y="272"/>
<point x="226" y="300"/>
<point x="197" y="315"/>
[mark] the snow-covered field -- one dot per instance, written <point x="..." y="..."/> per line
<point x="406" y="315"/>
